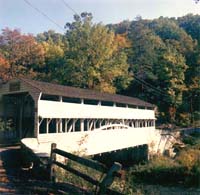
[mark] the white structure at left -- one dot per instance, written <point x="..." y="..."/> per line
<point x="78" y="120"/>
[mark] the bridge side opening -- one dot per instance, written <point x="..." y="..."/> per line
<point x="64" y="125"/>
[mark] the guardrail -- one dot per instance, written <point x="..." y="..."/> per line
<point x="103" y="185"/>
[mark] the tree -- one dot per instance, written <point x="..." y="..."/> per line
<point x="121" y="28"/>
<point x="54" y="59"/>
<point x="145" y="45"/>
<point x="191" y="24"/>
<point x="95" y="58"/>
<point x="170" y="71"/>
<point x="24" y="55"/>
<point x="169" y="31"/>
<point x="4" y="67"/>
<point x="55" y="45"/>
<point x="158" y="61"/>
<point x="52" y="36"/>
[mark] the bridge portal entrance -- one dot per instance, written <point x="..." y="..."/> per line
<point x="18" y="117"/>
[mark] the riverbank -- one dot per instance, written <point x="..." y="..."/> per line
<point x="165" y="175"/>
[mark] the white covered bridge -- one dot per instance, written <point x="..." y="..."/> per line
<point x="78" y="120"/>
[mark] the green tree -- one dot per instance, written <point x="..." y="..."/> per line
<point x="145" y="46"/>
<point x="170" y="32"/>
<point x="55" y="45"/>
<point x="191" y="24"/>
<point x="53" y="38"/>
<point x="142" y="57"/>
<point x="95" y="57"/>
<point x="171" y="75"/>
<point x="54" y="59"/>
<point x="158" y="61"/>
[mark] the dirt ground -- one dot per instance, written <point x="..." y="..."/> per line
<point x="15" y="181"/>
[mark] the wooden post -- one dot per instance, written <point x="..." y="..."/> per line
<point x="60" y="126"/>
<point x="154" y="122"/>
<point x="5" y="114"/>
<point x="47" y="125"/>
<point x="20" y="117"/>
<point x="73" y="125"/>
<point x="107" y="181"/>
<point x="88" y="124"/>
<point x="82" y="125"/>
<point x="57" y="124"/>
<point x="52" y="167"/>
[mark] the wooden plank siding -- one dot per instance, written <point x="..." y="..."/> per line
<point x="5" y="89"/>
<point x="24" y="88"/>
<point x="36" y="88"/>
<point x="1" y="108"/>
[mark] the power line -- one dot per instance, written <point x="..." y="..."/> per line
<point x="84" y="14"/>
<point x="151" y="86"/>
<point x="155" y="93"/>
<point x="154" y="89"/>
<point x="138" y="81"/>
<point x="45" y="15"/>
<point x="69" y="7"/>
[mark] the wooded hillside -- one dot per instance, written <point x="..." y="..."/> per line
<point x="156" y="60"/>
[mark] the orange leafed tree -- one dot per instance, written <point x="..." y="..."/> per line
<point x="23" y="54"/>
<point x="4" y="67"/>
<point x="122" y="41"/>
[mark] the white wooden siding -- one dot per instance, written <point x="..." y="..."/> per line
<point x="51" y="109"/>
<point x="91" y="142"/>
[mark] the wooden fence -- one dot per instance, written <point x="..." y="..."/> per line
<point x="103" y="185"/>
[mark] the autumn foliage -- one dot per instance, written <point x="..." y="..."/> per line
<point x="20" y="54"/>
<point x="155" y="60"/>
<point x="4" y="67"/>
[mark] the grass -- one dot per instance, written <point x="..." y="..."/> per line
<point x="68" y="177"/>
<point x="160" y="172"/>
<point x="183" y="170"/>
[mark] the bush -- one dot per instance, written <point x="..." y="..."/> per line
<point x="159" y="170"/>
<point x="184" y="119"/>
<point x="6" y="126"/>
<point x="189" y="158"/>
<point x="189" y="140"/>
<point x="1" y="125"/>
<point x="184" y="170"/>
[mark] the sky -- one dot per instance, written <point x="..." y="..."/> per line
<point x="30" y="18"/>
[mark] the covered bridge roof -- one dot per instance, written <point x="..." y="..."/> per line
<point x="73" y="92"/>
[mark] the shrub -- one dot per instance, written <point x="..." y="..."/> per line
<point x="189" y="140"/>
<point x="184" y="170"/>
<point x="1" y="125"/>
<point x="184" y="119"/>
<point x="158" y="170"/>
<point x="189" y="158"/>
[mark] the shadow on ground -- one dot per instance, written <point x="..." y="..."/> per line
<point x="15" y="181"/>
